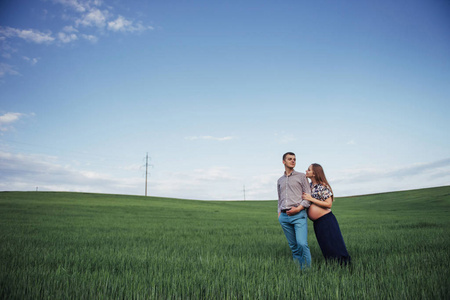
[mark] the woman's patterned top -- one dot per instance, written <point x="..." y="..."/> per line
<point x="320" y="192"/>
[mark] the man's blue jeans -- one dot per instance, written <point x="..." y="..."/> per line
<point x="296" y="230"/>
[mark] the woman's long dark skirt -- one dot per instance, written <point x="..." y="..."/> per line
<point x="330" y="239"/>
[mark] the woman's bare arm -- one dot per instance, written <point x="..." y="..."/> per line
<point x="327" y="203"/>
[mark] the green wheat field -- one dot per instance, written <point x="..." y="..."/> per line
<point x="94" y="246"/>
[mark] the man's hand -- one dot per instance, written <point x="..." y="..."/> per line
<point x="295" y="210"/>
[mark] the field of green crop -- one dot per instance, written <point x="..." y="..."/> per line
<point x="91" y="246"/>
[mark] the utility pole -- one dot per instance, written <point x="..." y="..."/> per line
<point x="146" y="172"/>
<point x="244" y="192"/>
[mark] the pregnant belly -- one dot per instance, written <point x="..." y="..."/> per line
<point x="315" y="212"/>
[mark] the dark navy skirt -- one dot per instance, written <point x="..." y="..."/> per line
<point x="330" y="239"/>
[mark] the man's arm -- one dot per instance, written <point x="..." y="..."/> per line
<point x="279" y="198"/>
<point x="306" y="189"/>
<point x="295" y="210"/>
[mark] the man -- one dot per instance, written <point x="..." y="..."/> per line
<point x="292" y="210"/>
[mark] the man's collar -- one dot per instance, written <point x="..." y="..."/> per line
<point x="292" y="173"/>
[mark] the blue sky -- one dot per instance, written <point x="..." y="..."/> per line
<point x="216" y="92"/>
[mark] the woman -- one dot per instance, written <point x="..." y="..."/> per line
<point x="326" y="226"/>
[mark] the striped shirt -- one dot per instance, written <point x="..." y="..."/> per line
<point x="290" y="190"/>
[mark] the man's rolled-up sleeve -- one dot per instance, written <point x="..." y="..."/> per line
<point x="306" y="189"/>
<point x="279" y="197"/>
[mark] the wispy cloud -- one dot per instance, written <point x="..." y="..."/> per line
<point x="30" y="35"/>
<point x="7" y="120"/>
<point x="94" y="14"/>
<point x="89" y="37"/>
<point x="79" y="6"/>
<point x="124" y="25"/>
<point x="214" y="183"/>
<point x="69" y="29"/>
<point x="368" y="180"/>
<point x="421" y="168"/>
<point x="285" y="138"/>
<point x="67" y="37"/>
<point x="32" y="61"/>
<point x="94" y="17"/>
<point x="6" y="69"/>
<point x="208" y="137"/>
<point x="211" y="174"/>
<point x="262" y="186"/>
<point x="87" y="19"/>
<point x="27" y="171"/>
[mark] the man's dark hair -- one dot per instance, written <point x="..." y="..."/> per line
<point x="288" y="153"/>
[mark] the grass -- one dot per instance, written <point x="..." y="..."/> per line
<point x="92" y="246"/>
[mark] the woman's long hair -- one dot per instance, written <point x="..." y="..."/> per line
<point x="319" y="176"/>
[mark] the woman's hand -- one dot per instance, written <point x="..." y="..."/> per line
<point x="306" y="196"/>
<point x="327" y="203"/>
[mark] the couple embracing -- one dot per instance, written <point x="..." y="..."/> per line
<point x="298" y="199"/>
